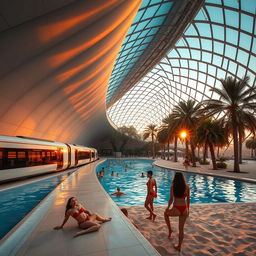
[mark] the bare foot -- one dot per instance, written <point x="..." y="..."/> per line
<point x="178" y="248"/>
<point x="149" y="218"/>
<point x="76" y="234"/>
<point x="154" y="217"/>
<point x="106" y="220"/>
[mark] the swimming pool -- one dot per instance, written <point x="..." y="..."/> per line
<point x="204" y="189"/>
<point x="17" y="202"/>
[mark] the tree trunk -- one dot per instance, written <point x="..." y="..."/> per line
<point x="240" y="146"/>
<point x="235" y="140"/>
<point x="175" y="149"/>
<point x="193" y="154"/>
<point x="168" y="150"/>
<point x="186" y="141"/>
<point x="125" y="141"/>
<point x="205" y="152"/>
<point x="164" y="152"/>
<point x="153" y="148"/>
<point x="214" y="165"/>
<point x="218" y="153"/>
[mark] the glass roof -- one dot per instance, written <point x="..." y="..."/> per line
<point x="219" y="42"/>
<point x="149" y="19"/>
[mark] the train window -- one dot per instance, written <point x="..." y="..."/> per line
<point x="18" y="158"/>
<point x="53" y="156"/>
<point x="11" y="154"/>
<point x="84" y="155"/>
<point x="1" y="159"/>
<point x="21" y="155"/>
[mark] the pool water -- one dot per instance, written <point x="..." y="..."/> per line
<point x="203" y="188"/>
<point x="17" y="202"/>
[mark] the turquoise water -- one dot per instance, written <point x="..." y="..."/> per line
<point x="204" y="189"/>
<point x="17" y="202"/>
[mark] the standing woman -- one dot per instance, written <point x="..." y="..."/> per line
<point x="180" y="197"/>
<point x="151" y="194"/>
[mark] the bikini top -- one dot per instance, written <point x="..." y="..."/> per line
<point x="77" y="213"/>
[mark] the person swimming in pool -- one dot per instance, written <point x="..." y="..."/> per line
<point x="85" y="219"/>
<point x="151" y="194"/>
<point x="180" y="197"/>
<point x="118" y="192"/>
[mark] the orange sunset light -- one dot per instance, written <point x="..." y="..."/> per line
<point x="183" y="134"/>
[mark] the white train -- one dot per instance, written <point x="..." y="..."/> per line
<point x="22" y="157"/>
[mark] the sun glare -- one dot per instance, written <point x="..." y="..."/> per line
<point x="183" y="134"/>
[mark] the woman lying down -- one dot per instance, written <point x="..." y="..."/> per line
<point x="85" y="219"/>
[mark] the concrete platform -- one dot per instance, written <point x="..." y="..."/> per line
<point x="118" y="237"/>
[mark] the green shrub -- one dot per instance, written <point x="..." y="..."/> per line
<point x="204" y="162"/>
<point x="222" y="159"/>
<point x="221" y="165"/>
<point x="198" y="159"/>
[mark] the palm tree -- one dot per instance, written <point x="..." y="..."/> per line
<point x="246" y="121"/>
<point x="186" y="115"/>
<point x="251" y="144"/>
<point x="151" y="131"/>
<point x="162" y="137"/>
<point x="211" y="133"/>
<point x="172" y="127"/>
<point x="235" y="97"/>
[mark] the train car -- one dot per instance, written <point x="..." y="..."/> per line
<point x="80" y="155"/>
<point x="22" y="157"/>
<point x="94" y="154"/>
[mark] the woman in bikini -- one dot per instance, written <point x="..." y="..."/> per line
<point x="180" y="197"/>
<point x="85" y="219"/>
<point x="151" y="194"/>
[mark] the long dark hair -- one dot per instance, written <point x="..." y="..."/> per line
<point x="179" y="185"/>
<point x="68" y="206"/>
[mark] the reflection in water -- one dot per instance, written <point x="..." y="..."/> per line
<point x="17" y="202"/>
<point x="204" y="189"/>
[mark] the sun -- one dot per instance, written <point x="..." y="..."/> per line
<point x="183" y="134"/>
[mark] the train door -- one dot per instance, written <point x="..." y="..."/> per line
<point x="59" y="159"/>
<point x="69" y="156"/>
<point x="76" y="157"/>
<point x="1" y="160"/>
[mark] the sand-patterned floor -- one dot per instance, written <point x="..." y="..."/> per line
<point x="212" y="229"/>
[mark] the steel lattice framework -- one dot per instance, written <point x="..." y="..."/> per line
<point x="219" y="42"/>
